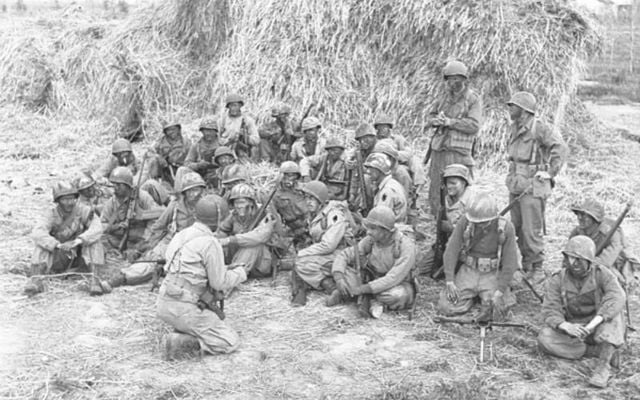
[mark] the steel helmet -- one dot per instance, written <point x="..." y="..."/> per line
<point x="592" y="208"/>
<point x="280" y="109"/>
<point x="290" y="167"/>
<point x="457" y="170"/>
<point x="242" y="191"/>
<point x="169" y="124"/>
<point x="581" y="247"/>
<point x="524" y="100"/>
<point x="191" y="180"/>
<point x="121" y="175"/>
<point x="207" y="212"/>
<point x="120" y="146"/>
<point x="334" y="142"/>
<point x="209" y="123"/>
<point x="63" y="188"/>
<point x="386" y="147"/>
<point x="222" y="151"/>
<point x="383" y="119"/>
<point x="83" y="182"/>
<point x="234" y="172"/>
<point x="483" y="208"/>
<point x="379" y="162"/>
<point x="310" y="123"/>
<point x="381" y="216"/>
<point x="455" y="68"/>
<point x="365" y="130"/>
<point x="318" y="190"/>
<point x="234" y="98"/>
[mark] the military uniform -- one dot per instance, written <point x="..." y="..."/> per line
<point x="200" y="159"/>
<point x="168" y="157"/>
<point x="391" y="194"/>
<point x="276" y="141"/>
<point x="331" y="173"/>
<point x="301" y="149"/>
<point x="292" y="208"/>
<point x="240" y="133"/>
<point x="195" y="265"/>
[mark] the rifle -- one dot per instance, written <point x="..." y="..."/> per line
<point x="322" y="169"/>
<point x="306" y="112"/>
<point x="131" y="210"/>
<point x="347" y="194"/>
<point x="366" y="199"/>
<point x="263" y="209"/>
<point x="364" y="301"/>
<point x="212" y="300"/>
<point x="441" y="236"/>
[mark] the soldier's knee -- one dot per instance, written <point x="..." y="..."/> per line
<point x="560" y="345"/>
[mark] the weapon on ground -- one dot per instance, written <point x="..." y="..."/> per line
<point x="441" y="236"/>
<point x="367" y="200"/>
<point x="533" y="290"/>
<point x="131" y="210"/>
<point x="263" y="209"/>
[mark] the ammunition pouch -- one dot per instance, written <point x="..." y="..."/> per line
<point x="482" y="264"/>
<point x="521" y="174"/>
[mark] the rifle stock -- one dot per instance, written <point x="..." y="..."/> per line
<point x="131" y="210"/>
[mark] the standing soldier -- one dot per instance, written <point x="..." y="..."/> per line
<point x="238" y="130"/>
<point x="196" y="276"/>
<point x="536" y="155"/>
<point x="457" y="118"/>
<point x="386" y="190"/>
<point x="328" y="167"/>
<point x="67" y="238"/>
<point x="583" y="310"/>
<point x="328" y="229"/>
<point x="483" y="245"/>
<point x="169" y="153"/>
<point x="201" y="155"/>
<point x="277" y="136"/>
<point x="310" y="143"/>
<point x="388" y="258"/>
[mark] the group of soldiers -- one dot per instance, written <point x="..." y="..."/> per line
<point x="341" y="220"/>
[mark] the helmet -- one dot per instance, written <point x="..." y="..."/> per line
<point x="233" y="98"/>
<point x="455" y="68"/>
<point x="120" y="146"/>
<point x="386" y="147"/>
<point x="221" y="151"/>
<point x="310" y="123"/>
<point x="83" y="182"/>
<point x="234" y="172"/>
<point x="592" y="208"/>
<point x="459" y="171"/>
<point x="289" y="167"/>
<point x="379" y="162"/>
<point x="381" y="216"/>
<point x="524" y="100"/>
<point x="242" y="191"/>
<point x="191" y="180"/>
<point x="122" y="175"/>
<point x="280" y="109"/>
<point x="334" y="142"/>
<point x="63" y="188"/>
<point x="580" y="246"/>
<point x="483" y="208"/>
<point x="383" y="119"/>
<point x="365" y="130"/>
<point x="318" y="190"/>
<point x="169" y="124"/>
<point x="207" y="212"/>
<point x="209" y="123"/>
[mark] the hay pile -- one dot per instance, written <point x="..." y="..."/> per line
<point x="354" y="59"/>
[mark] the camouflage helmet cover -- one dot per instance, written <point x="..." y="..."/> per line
<point x="365" y="130"/>
<point x="383" y="119"/>
<point x="280" y="109"/>
<point x="233" y="173"/>
<point x="310" y="123"/>
<point x="379" y="162"/>
<point x="233" y="98"/>
<point x="209" y="123"/>
<point x="222" y="151"/>
<point x="290" y="167"/>
<point x="242" y="190"/>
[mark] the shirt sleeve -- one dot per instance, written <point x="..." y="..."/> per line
<point x="346" y="257"/>
<point x="159" y="228"/>
<point x="470" y="123"/>
<point x="93" y="233"/>
<point x="452" y="251"/>
<point x="337" y="227"/>
<point x="555" y="147"/>
<point x="260" y="235"/>
<point x="105" y="169"/>
<point x="310" y="162"/>
<point x="41" y="233"/>
<point x="552" y="309"/>
<point x="610" y="254"/>
<point x="219" y="276"/>
<point x="254" y="137"/>
<point x="613" y="299"/>
<point x="509" y="262"/>
<point x="400" y="270"/>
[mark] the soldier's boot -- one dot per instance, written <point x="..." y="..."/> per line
<point x="334" y="299"/>
<point x="328" y="284"/>
<point x="615" y="360"/>
<point x="33" y="286"/>
<point x="364" y="306"/>
<point x="376" y="309"/>
<point x="602" y="372"/>
<point x="180" y="345"/>
<point x="95" y="288"/>
<point x="298" y="290"/>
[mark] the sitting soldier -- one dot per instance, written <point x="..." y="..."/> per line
<point x="68" y="238"/>
<point x="330" y="225"/>
<point x="310" y="143"/>
<point x="386" y="190"/>
<point x="327" y="167"/>
<point x="238" y="129"/>
<point x="387" y="258"/>
<point x="243" y="238"/>
<point x="222" y="158"/>
<point x="201" y="155"/>
<point x="231" y="176"/>
<point x="119" y="232"/>
<point x="289" y="202"/>
<point x="483" y="247"/>
<point x="277" y="136"/>
<point x="398" y="172"/>
<point x="196" y="278"/>
<point x="88" y="193"/>
<point x="583" y="310"/>
<point x="168" y="153"/>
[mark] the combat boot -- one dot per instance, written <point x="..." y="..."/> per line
<point x="180" y="345"/>
<point x="33" y="287"/>
<point x="334" y="299"/>
<point x="298" y="290"/>
<point x="328" y="284"/>
<point x="95" y="288"/>
<point x="601" y="375"/>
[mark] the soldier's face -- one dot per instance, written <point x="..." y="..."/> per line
<point x="577" y="267"/>
<point x="455" y="186"/>
<point x="172" y="132"/>
<point x="313" y="205"/>
<point x="378" y="234"/>
<point x="311" y="134"/>
<point x="242" y="206"/>
<point x="67" y="203"/>
<point x="281" y="118"/>
<point x="334" y="153"/>
<point x="383" y="131"/>
<point x="586" y="221"/>
<point x="193" y="195"/>
<point x="224" y="160"/>
<point x="121" y="190"/>
<point x="124" y="158"/>
<point x="455" y="83"/>
<point x="336" y="192"/>
<point x="89" y="192"/>
<point x="209" y="135"/>
<point x="375" y="176"/>
<point x="289" y="180"/>
<point x="514" y="112"/>
<point x="367" y="142"/>
<point x="235" y="109"/>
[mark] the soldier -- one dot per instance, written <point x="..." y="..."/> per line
<point x="115" y="214"/>
<point x="388" y="256"/>
<point x="277" y="136"/>
<point x="536" y="155"/>
<point x="67" y="239"/>
<point x="196" y="274"/>
<point x="327" y="167"/>
<point x="243" y="243"/>
<point x="231" y="176"/>
<point x="201" y="155"/>
<point x="289" y="202"/>
<point x="386" y="190"/>
<point x="88" y="194"/>
<point x="328" y="229"/>
<point x="310" y="143"/>
<point x="457" y="118"/>
<point x="583" y="310"/>
<point x="484" y="246"/>
<point x="398" y="172"/>
<point x="366" y="138"/>
<point x="222" y="158"/>
<point x="169" y="153"/>
<point x="238" y="130"/>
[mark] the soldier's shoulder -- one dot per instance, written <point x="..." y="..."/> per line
<point x="472" y="95"/>
<point x="336" y="211"/>
<point x="605" y="227"/>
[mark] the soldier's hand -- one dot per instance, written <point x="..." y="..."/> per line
<point x="360" y="289"/>
<point x="542" y="176"/>
<point x="452" y="292"/>
<point x="131" y="255"/>
<point x="574" y="330"/>
<point x="343" y="287"/>
<point x="67" y="246"/>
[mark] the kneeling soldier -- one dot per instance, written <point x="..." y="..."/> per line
<point x="583" y="311"/>
<point x="388" y="257"/>
<point x="196" y="276"/>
